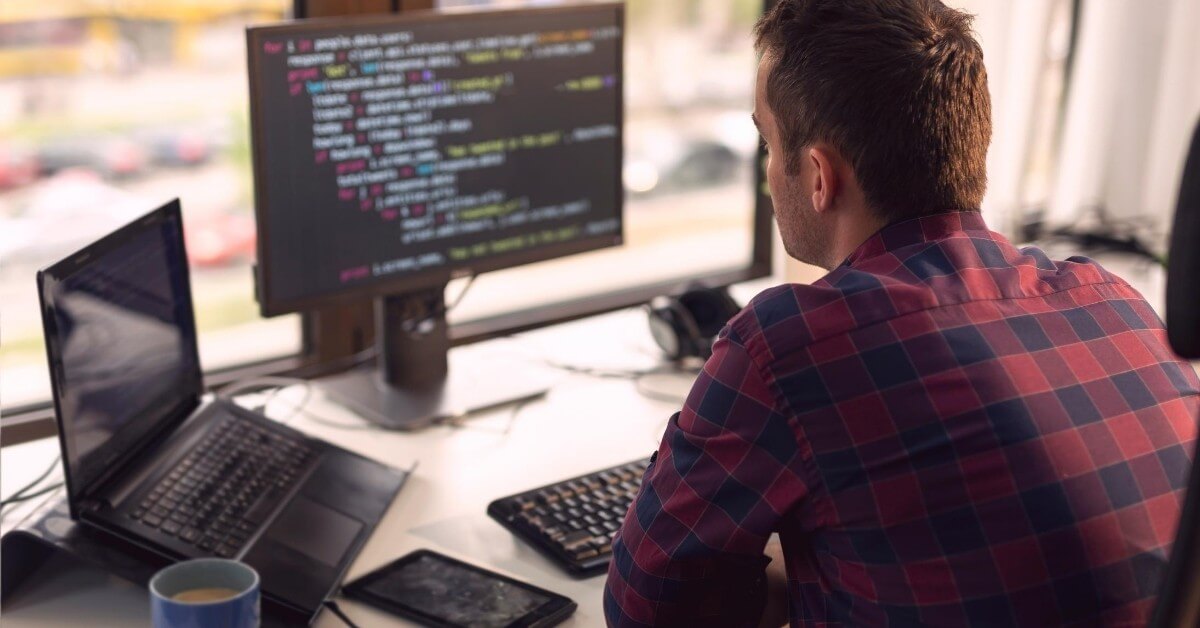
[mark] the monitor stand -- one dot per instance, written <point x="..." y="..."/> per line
<point x="413" y="385"/>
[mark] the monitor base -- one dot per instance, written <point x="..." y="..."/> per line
<point x="467" y="389"/>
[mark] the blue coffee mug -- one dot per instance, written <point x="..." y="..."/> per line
<point x="239" y="610"/>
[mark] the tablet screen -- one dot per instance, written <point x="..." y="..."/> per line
<point x="455" y="594"/>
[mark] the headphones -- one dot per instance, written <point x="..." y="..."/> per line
<point x="686" y="326"/>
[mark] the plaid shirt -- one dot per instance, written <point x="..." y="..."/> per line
<point x="943" y="430"/>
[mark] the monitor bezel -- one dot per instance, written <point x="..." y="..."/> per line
<point x="270" y="305"/>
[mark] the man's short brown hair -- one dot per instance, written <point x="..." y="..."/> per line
<point x="897" y="86"/>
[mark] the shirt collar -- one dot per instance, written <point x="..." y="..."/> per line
<point x="919" y="230"/>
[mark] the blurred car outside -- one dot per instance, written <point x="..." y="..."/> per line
<point x="713" y="152"/>
<point x="110" y="156"/>
<point x="18" y="166"/>
<point x="174" y="147"/>
<point x="66" y="212"/>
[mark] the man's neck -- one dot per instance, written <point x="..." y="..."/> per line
<point x="857" y="227"/>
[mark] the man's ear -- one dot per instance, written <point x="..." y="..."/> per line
<point x="827" y="183"/>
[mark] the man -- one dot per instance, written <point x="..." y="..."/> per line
<point x="944" y="430"/>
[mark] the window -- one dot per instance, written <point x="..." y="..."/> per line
<point x="689" y="159"/>
<point x="106" y="111"/>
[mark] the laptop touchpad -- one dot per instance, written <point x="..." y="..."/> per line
<point x="320" y="533"/>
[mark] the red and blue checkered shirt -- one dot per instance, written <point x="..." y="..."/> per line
<point x="944" y="430"/>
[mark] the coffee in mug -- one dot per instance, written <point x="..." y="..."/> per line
<point x="208" y="594"/>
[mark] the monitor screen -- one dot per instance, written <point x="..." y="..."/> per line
<point x="122" y="341"/>
<point x="395" y="152"/>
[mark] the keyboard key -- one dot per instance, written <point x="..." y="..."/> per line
<point x="575" y="538"/>
<point x="170" y="527"/>
<point x="152" y="520"/>
<point x="584" y="552"/>
<point x="226" y="551"/>
<point x="191" y="535"/>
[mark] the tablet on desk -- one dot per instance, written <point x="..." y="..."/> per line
<point x="440" y="591"/>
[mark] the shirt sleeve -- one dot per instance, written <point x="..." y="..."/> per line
<point x="690" y="552"/>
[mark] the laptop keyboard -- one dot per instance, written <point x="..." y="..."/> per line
<point x="225" y="487"/>
<point x="574" y="521"/>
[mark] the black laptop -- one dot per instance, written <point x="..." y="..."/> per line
<point x="152" y="460"/>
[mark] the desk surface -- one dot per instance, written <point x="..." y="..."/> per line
<point x="585" y="423"/>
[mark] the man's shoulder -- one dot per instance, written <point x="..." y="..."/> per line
<point x="801" y="313"/>
<point x="845" y="299"/>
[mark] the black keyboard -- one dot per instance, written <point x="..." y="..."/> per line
<point x="574" y="521"/>
<point x="225" y="487"/>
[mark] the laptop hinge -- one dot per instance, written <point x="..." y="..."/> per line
<point x="116" y="485"/>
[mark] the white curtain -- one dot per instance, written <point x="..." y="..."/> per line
<point x="1133" y="103"/>
<point x="1017" y="41"/>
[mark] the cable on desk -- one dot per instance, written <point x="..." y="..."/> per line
<point x="459" y="421"/>
<point x="632" y="375"/>
<point x="21" y="496"/>
<point x="301" y="408"/>
<point x="337" y="610"/>
<point x="531" y="354"/>
<point x="649" y="393"/>
<point x="277" y="383"/>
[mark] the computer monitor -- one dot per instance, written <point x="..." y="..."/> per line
<point x="394" y="153"/>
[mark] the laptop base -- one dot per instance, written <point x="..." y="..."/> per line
<point x="289" y="599"/>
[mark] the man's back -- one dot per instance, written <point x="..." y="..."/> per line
<point x="943" y="430"/>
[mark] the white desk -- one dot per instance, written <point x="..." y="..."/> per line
<point x="585" y="423"/>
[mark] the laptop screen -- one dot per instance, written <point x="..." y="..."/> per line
<point x="122" y="343"/>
